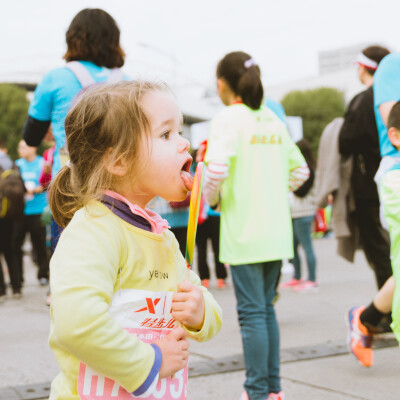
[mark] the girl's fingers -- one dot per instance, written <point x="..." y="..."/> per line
<point x="179" y="296"/>
<point x="185" y="286"/>
<point x="180" y="306"/>
<point x="185" y="345"/>
<point x="180" y="316"/>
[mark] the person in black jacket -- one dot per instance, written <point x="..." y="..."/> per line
<point x="359" y="138"/>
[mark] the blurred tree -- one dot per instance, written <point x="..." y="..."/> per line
<point x="13" y="111"/>
<point x="317" y="107"/>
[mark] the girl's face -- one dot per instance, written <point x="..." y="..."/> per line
<point x="164" y="161"/>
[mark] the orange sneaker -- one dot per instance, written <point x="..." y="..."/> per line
<point x="205" y="283"/>
<point x="221" y="284"/>
<point x="359" y="339"/>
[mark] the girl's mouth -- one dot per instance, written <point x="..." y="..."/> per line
<point x="186" y="176"/>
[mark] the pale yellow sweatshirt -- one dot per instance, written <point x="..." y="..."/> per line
<point x="112" y="286"/>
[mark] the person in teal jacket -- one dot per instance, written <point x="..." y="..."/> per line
<point x="93" y="42"/>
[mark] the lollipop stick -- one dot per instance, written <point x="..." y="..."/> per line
<point x="194" y="208"/>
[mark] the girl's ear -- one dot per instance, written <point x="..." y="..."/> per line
<point x="116" y="167"/>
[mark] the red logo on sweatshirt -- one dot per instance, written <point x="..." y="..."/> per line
<point x="150" y="305"/>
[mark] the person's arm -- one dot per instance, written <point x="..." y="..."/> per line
<point x="297" y="165"/>
<point x="34" y="131"/>
<point x="387" y="85"/>
<point x="212" y="321"/>
<point x="215" y="174"/>
<point x="221" y="148"/>
<point x="206" y="308"/>
<point x="297" y="176"/>
<point x="351" y="132"/>
<point x="40" y="111"/>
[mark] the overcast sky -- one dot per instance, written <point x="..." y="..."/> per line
<point x="182" y="40"/>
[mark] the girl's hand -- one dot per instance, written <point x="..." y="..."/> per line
<point x="174" y="349"/>
<point x="188" y="305"/>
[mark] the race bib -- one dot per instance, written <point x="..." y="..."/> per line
<point x="147" y="315"/>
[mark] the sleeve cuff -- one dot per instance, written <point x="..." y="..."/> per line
<point x="34" y="131"/>
<point x="153" y="375"/>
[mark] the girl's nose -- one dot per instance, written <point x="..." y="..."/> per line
<point x="184" y="145"/>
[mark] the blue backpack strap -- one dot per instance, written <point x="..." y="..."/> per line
<point x="81" y="73"/>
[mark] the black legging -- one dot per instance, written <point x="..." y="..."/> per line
<point x="209" y="230"/>
<point x="37" y="232"/>
<point x="181" y="234"/>
<point x="375" y="242"/>
<point x="7" y="247"/>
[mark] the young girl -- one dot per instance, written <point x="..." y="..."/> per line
<point x="251" y="156"/>
<point x="121" y="307"/>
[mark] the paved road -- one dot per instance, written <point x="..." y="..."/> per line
<point x="311" y="326"/>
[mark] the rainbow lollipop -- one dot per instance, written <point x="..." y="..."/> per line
<point x="194" y="214"/>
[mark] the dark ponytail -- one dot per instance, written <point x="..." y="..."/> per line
<point x="243" y="76"/>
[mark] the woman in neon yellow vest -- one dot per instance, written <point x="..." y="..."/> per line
<point x="252" y="163"/>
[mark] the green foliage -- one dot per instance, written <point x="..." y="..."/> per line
<point x="317" y="108"/>
<point x="13" y="112"/>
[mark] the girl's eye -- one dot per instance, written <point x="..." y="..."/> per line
<point x="165" y="135"/>
<point x="180" y="133"/>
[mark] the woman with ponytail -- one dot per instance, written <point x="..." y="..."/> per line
<point x="251" y="165"/>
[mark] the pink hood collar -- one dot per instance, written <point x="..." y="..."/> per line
<point x="158" y="224"/>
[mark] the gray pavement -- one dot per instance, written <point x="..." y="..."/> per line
<point x="311" y="326"/>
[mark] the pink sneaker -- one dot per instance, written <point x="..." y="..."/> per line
<point x="291" y="284"/>
<point x="244" y="396"/>
<point x="276" y="396"/>
<point x="307" y="286"/>
<point x="271" y="396"/>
